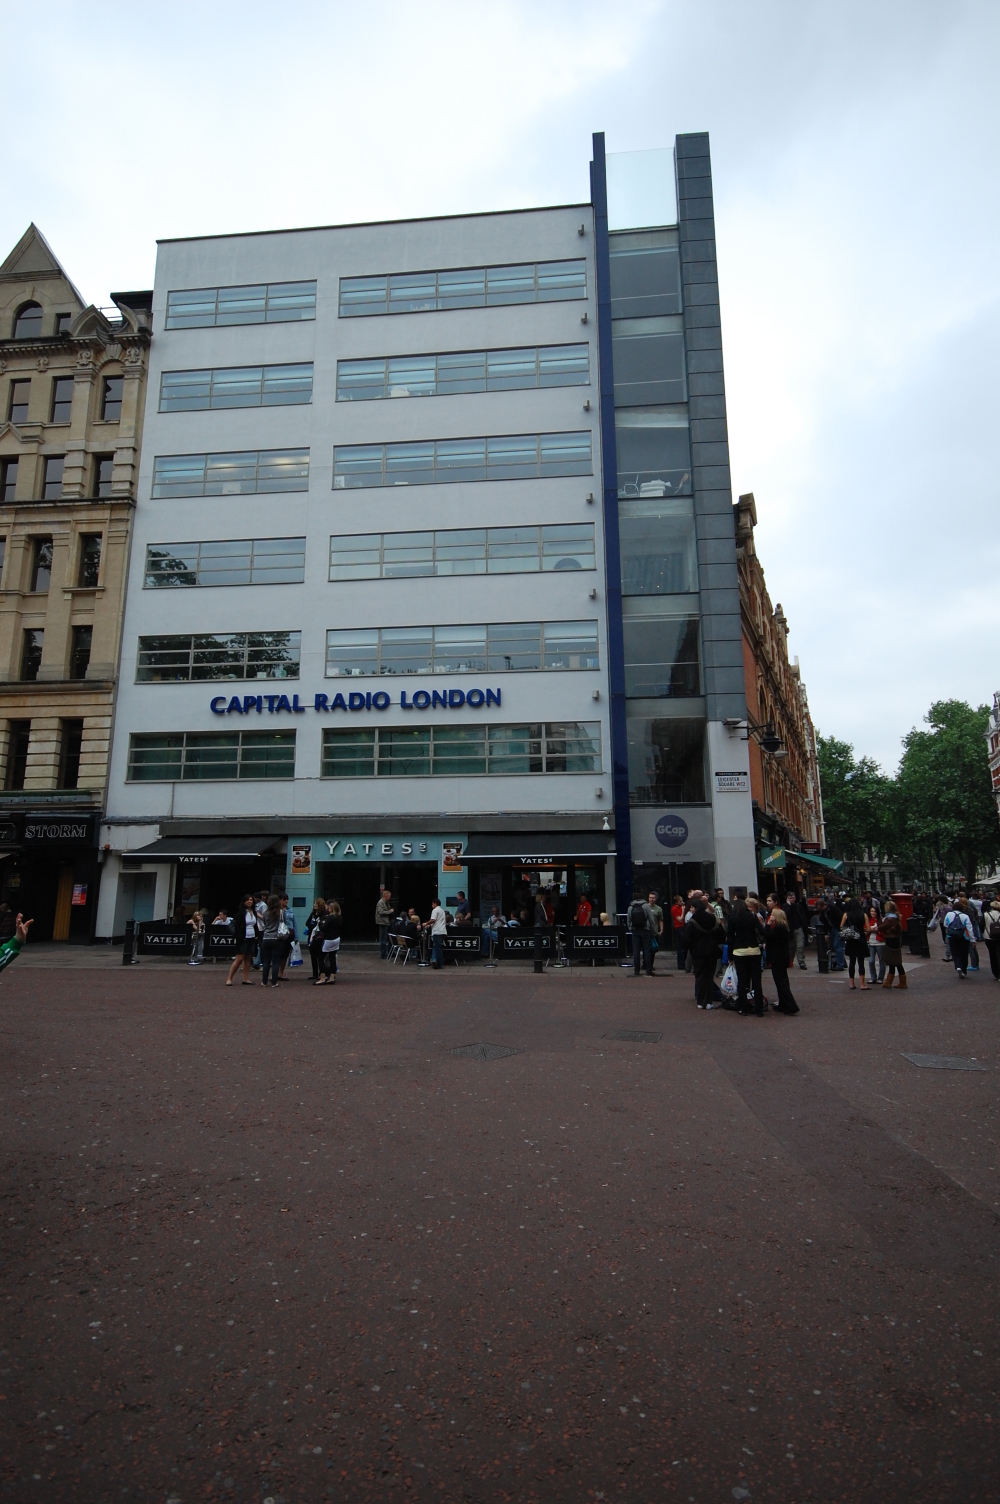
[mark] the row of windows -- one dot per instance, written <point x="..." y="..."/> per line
<point x="525" y="456"/>
<point x="33" y="642"/>
<point x="29" y="322"/>
<point x="236" y="386"/>
<point x="88" y="562"/>
<point x="387" y="752"/>
<point x="259" y="303"/>
<point x="53" y="470"/>
<point x="455" y="372"/>
<point x="61" y="399"/>
<point x="242" y="473"/>
<point x="465" y="287"/>
<point x="70" y="748"/>
<point x="497" y="647"/>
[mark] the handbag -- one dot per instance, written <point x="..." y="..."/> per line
<point x="283" y="931"/>
<point x="729" y="986"/>
<point x="295" y="954"/>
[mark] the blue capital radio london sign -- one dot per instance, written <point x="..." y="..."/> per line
<point x="380" y="699"/>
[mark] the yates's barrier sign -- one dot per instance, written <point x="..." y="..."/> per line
<point x="380" y="699"/>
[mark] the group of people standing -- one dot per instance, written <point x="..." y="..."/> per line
<point x="266" y="934"/>
<point x="964" y="921"/>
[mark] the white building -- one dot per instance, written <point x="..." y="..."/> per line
<point x="374" y="627"/>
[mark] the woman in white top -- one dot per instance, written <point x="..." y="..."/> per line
<point x="247" y="927"/>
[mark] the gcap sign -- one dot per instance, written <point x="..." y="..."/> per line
<point x="671" y="831"/>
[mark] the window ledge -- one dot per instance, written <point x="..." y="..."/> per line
<point x="83" y="590"/>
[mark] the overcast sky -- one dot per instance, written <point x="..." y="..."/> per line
<point x="854" y="147"/>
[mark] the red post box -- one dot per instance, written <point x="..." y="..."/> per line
<point x="904" y="905"/>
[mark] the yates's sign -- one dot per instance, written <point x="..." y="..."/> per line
<point x="379" y="699"/>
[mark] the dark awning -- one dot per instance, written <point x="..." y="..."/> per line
<point x="199" y="850"/>
<point x="541" y="846"/>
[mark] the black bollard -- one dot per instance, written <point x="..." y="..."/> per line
<point x="127" y="957"/>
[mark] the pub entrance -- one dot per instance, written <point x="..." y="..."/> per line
<point x="357" y="887"/>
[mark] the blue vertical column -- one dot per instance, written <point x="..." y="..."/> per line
<point x="612" y="547"/>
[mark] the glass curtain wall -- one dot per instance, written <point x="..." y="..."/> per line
<point x="656" y="520"/>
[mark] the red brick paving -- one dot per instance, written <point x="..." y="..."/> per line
<point x="287" y="1247"/>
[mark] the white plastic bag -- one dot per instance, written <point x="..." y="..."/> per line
<point x="295" y="954"/>
<point x="729" y="986"/>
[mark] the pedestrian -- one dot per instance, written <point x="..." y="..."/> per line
<point x="969" y="906"/>
<point x="779" y="958"/>
<point x="875" y="936"/>
<point x="744" y="935"/>
<point x="961" y="935"/>
<point x="314" y="935"/>
<point x="384" y="915"/>
<point x="892" y="935"/>
<point x="584" y="909"/>
<point x="852" y="931"/>
<point x="821" y="933"/>
<point x="678" y="917"/>
<point x="288" y="938"/>
<point x="837" y="911"/>
<point x="703" y="936"/>
<point x="197" y="924"/>
<point x="657" y="913"/>
<point x="798" y="920"/>
<point x="991" y="934"/>
<point x="330" y="928"/>
<point x="641" y="923"/>
<point x="270" y="942"/>
<point x="11" y="947"/>
<point x="247" y="927"/>
<point x="438" y="926"/>
<point x="938" y="920"/>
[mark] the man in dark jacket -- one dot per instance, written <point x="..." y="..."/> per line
<point x="703" y="936"/>
<point x="798" y="924"/>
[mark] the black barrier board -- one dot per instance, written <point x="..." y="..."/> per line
<point x="461" y="944"/>
<point x="164" y="940"/>
<point x="597" y="942"/>
<point x="522" y="942"/>
<point x="220" y="942"/>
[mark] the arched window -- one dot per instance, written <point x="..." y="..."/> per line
<point x="28" y="324"/>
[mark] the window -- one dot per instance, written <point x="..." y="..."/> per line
<point x="104" y="466"/>
<point x="666" y="761"/>
<point x="551" y="548"/>
<point x="32" y="640"/>
<point x="230" y="655"/>
<point x="111" y="398"/>
<point x="238" y="561"/>
<point x="28" y="324"/>
<point x="90" y="561"/>
<point x="8" y="479"/>
<point x="41" y="563"/>
<point x="469" y="287"/>
<point x="3" y="554"/>
<point x="262" y="303"/>
<point x="649" y="361"/>
<point x="19" y="394"/>
<point x="439" y="461"/>
<point x="17" y="753"/>
<point x="235" y="386"/>
<point x="79" y="653"/>
<point x="356" y="652"/>
<point x="52" y="480"/>
<point x="658" y="549"/>
<point x="661" y="657"/>
<point x="654" y="454"/>
<point x="191" y="757"/>
<point x="62" y="399"/>
<point x="63" y="321"/>
<point x="645" y="274"/>
<point x="239" y="474"/>
<point x="70" y="747"/>
<point x="466" y="371"/>
<point x="449" y="751"/>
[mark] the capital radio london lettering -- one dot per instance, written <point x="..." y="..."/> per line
<point x="356" y="700"/>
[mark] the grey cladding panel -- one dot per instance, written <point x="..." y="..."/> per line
<point x="722" y="652"/>
<point x="707" y="384"/>
<point x="702" y="333"/>
<point x="705" y="360"/>
<point x="710" y="431"/>
<point x="712" y="406"/>
<point x="715" y="525"/>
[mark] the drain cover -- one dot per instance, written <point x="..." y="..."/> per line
<point x="486" y="1051"/>
<point x="634" y="1036"/>
<point x="945" y="1062"/>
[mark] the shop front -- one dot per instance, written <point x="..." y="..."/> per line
<point x="508" y="869"/>
<point x="196" y="872"/>
<point x="354" y="869"/>
<point x="49" y="869"/>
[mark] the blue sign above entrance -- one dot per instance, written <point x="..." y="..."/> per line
<point x="380" y="699"/>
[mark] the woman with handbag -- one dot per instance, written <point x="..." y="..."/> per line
<point x="271" y="942"/>
<point x="779" y="956"/>
<point x="852" y="928"/>
<point x="314" y="936"/>
<point x="330" y="930"/>
<point x="288" y="939"/>
<point x="744" y="936"/>
<point x="247" y="928"/>
<point x="892" y="932"/>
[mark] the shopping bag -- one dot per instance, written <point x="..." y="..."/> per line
<point x="729" y="986"/>
<point x="295" y="954"/>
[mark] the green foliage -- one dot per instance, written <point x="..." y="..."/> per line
<point x="947" y="816"/>
<point x="857" y="801"/>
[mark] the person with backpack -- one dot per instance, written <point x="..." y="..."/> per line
<point x="991" y="935"/>
<point x="891" y="930"/>
<point x="961" y="935"/>
<point x="703" y="937"/>
<point x="643" y="927"/>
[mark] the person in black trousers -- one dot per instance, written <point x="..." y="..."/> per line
<point x="744" y="936"/>
<point x="779" y="956"/>
<point x="703" y="940"/>
<point x="314" y="936"/>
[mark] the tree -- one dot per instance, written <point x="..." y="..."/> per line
<point x="857" y="801"/>
<point x="946" y="813"/>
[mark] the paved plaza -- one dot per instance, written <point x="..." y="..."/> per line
<point x="306" y="1244"/>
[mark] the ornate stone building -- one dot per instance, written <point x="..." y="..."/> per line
<point x="72" y="381"/>
<point x="784" y="783"/>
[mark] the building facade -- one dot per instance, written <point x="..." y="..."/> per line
<point x="785" y="782"/>
<point x="993" y="748"/>
<point x="450" y="494"/>
<point x="72" y="384"/>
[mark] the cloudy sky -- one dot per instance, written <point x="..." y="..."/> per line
<point x="854" y="145"/>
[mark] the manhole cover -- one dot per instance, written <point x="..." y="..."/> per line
<point x="486" y="1051"/>
<point x="635" y="1036"/>
<point x="945" y="1062"/>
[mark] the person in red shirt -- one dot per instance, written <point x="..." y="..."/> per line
<point x="583" y="912"/>
<point x="678" y="911"/>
